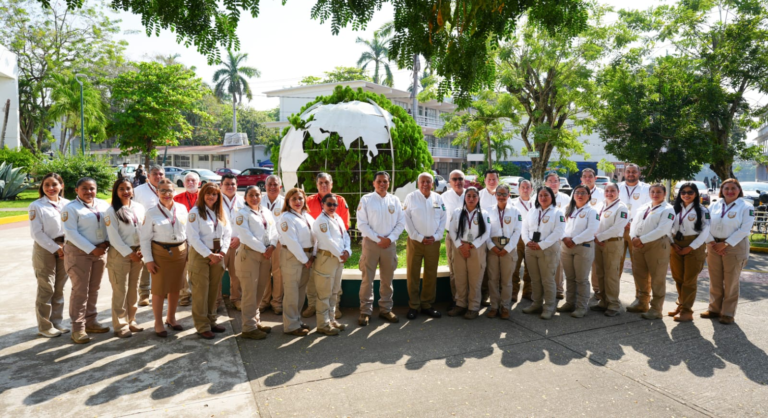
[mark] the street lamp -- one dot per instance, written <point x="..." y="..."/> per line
<point x="82" y="117"/>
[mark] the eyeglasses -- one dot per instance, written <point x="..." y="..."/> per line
<point x="581" y="194"/>
<point x="687" y="192"/>
<point x="502" y="194"/>
<point x="165" y="191"/>
<point x="331" y="205"/>
<point x="457" y="179"/>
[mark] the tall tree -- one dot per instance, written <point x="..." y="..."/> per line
<point x="151" y="105"/>
<point x="65" y="94"/>
<point x="232" y="80"/>
<point x="377" y="55"/>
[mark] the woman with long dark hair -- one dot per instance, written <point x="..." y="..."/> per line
<point x="506" y="225"/>
<point x="577" y="251"/>
<point x="47" y="231"/>
<point x="124" y="263"/>
<point x="689" y="233"/>
<point x="542" y="230"/>
<point x="470" y="230"/>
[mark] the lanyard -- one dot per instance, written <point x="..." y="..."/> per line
<point x="341" y="231"/>
<point x="98" y="215"/>
<point x="501" y="214"/>
<point x="522" y="202"/>
<point x="682" y="217"/>
<point x="154" y="190"/>
<point x="541" y="215"/>
<point x="629" y="194"/>
<point x="301" y="217"/>
<point x="58" y="209"/>
<point x="229" y="207"/>
<point x="271" y="205"/>
<point x="726" y="211"/>
<point x="649" y="210"/>
<point x="577" y="213"/>
<point x="469" y="221"/>
<point x="215" y="219"/>
<point x="189" y="202"/>
<point x="606" y="208"/>
<point x="263" y="221"/>
<point x="171" y="220"/>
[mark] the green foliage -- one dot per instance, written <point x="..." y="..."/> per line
<point x="412" y="156"/>
<point x="152" y="104"/>
<point x="510" y="169"/>
<point x="376" y="55"/>
<point x="210" y="130"/>
<point x="605" y="166"/>
<point x="72" y="168"/>
<point x="338" y="74"/>
<point x="66" y="96"/>
<point x="22" y="157"/>
<point x="12" y="181"/>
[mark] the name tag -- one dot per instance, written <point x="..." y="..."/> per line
<point x="503" y="240"/>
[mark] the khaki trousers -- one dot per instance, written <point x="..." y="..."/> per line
<point x="205" y="280"/>
<point x="186" y="291"/>
<point x="516" y="274"/>
<point x="499" y="270"/>
<point x="254" y="273"/>
<point x="685" y="271"/>
<point x="386" y="260"/>
<point x="608" y="271"/>
<point x="543" y="264"/>
<point x="649" y="268"/>
<point x="416" y="252"/>
<point x="124" y="278"/>
<point x="469" y="274"/>
<point x="145" y="285"/>
<point x="577" y="262"/>
<point x="234" y="279"/>
<point x="85" y="271"/>
<point x="273" y="289"/>
<point x="51" y="278"/>
<point x="312" y="292"/>
<point x="724" y="272"/>
<point x="324" y="272"/>
<point x="295" y="278"/>
<point x="628" y="248"/>
<point x="449" y="247"/>
<point x="559" y="282"/>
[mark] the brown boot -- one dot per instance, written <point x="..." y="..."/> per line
<point x="675" y="312"/>
<point x="708" y="314"/>
<point x="727" y="320"/>
<point x="492" y="313"/>
<point x="685" y="316"/>
<point x="504" y="313"/>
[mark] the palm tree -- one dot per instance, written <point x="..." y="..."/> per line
<point x="377" y="54"/>
<point x="65" y="94"/>
<point x="501" y="148"/>
<point x="170" y="59"/>
<point x="232" y="80"/>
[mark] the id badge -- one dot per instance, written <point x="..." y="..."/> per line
<point x="503" y="241"/>
<point x="470" y="237"/>
<point x="536" y="237"/>
<point x="679" y="236"/>
<point x="100" y="235"/>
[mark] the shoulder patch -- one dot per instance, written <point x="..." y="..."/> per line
<point x="751" y="213"/>
<point x="192" y="217"/>
<point x="239" y="220"/>
<point x="359" y="207"/>
<point x="562" y="218"/>
<point x="623" y="215"/>
<point x="670" y="216"/>
<point x="64" y="216"/>
<point x="32" y="214"/>
<point x="284" y="226"/>
<point x="597" y="216"/>
<point x="324" y="228"/>
<point x="519" y="217"/>
<point x="706" y="215"/>
<point x="489" y="219"/>
<point x="107" y="221"/>
<point x="443" y="208"/>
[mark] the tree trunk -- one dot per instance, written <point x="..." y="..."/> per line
<point x="415" y="89"/>
<point x="6" y="110"/>
<point x="234" y="114"/>
<point x="490" y="150"/>
<point x="148" y="153"/>
<point x="538" y="167"/>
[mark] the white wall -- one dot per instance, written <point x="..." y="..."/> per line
<point x="241" y="159"/>
<point x="9" y="89"/>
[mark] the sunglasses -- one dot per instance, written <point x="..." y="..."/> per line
<point x="165" y="191"/>
<point x="331" y="205"/>
<point x="457" y="179"/>
<point x="502" y="194"/>
<point x="687" y="192"/>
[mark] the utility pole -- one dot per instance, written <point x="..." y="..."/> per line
<point x="82" y="116"/>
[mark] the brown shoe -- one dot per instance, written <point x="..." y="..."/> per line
<point x="727" y="320"/>
<point x="328" y="331"/>
<point x="559" y="296"/>
<point x="341" y="327"/>
<point x="264" y="328"/>
<point x="528" y="296"/>
<point x="301" y="332"/>
<point x="389" y="317"/>
<point x="708" y="314"/>
<point x="363" y="320"/>
<point x="238" y="305"/>
<point x="504" y="313"/>
<point x="144" y="301"/>
<point x="96" y="329"/>
<point x="471" y="314"/>
<point x="123" y="333"/>
<point x="684" y="317"/>
<point x="217" y="328"/>
<point x="457" y="310"/>
<point x="310" y="311"/>
<point x="208" y="335"/>
<point x="492" y="313"/>
<point x="185" y="301"/>
<point x="676" y="311"/>
<point x="80" y="337"/>
<point x="611" y="312"/>
<point x="254" y="335"/>
<point x="135" y="328"/>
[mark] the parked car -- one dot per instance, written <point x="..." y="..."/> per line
<point x="704" y="192"/>
<point x="223" y="171"/>
<point x="753" y="190"/>
<point x="171" y="172"/>
<point x="470" y="180"/>
<point x="513" y="182"/>
<point x="130" y="172"/>
<point x="564" y="186"/>
<point x="206" y="176"/>
<point x="441" y="184"/>
<point x="254" y="176"/>
<point x="602" y="181"/>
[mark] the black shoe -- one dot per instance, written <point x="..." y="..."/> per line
<point x="451" y="305"/>
<point x="412" y="314"/>
<point x="305" y="326"/>
<point x="431" y="312"/>
<point x="218" y="329"/>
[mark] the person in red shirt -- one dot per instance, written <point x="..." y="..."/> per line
<point x="188" y="199"/>
<point x="324" y="184"/>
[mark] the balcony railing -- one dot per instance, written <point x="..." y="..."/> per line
<point x="428" y="122"/>
<point x="448" y="152"/>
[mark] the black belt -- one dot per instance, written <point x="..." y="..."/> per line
<point x="720" y="239"/>
<point x="59" y="240"/>
<point x="167" y="247"/>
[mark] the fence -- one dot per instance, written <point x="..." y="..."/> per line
<point x="760" y="227"/>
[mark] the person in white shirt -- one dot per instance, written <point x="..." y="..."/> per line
<point x="164" y="248"/>
<point x="47" y="231"/>
<point x="453" y="199"/>
<point x="650" y="241"/>
<point x="380" y="220"/>
<point x="577" y="251"/>
<point x="542" y="230"/>
<point x="524" y="204"/>
<point x="633" y="193"/>
<point x="552" y="180"/>
<point x="85" y="257"/>
<point x="506" y="225"/>
<point x="232" y="203"/>
<point x="124" y="171"/>
<point x="609" y="247"/>
<point x="296" y="258"/>
<point x="333" y="250"/>
<point x="146" y="195"/>
<point x="487" y="202"/>
<point x="273" y="290"/>
<point x="596" y="198"/>
<point x="256" y="228"/>
<point x="425" y="224"/>
<point x="123" y="220"/>
<point x="209" y="233"/>
<point x="728" y="250"/>
<point x="689" y="234"/>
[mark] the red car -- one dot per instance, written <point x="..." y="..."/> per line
<point x="256" y="176"/>
<point x="223" y="171"/>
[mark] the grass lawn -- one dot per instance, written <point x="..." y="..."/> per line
<point x="30" y="195"/>
<point x="758" y="240"/>
<point x="357" y="251"/>
<point x="12" y="213"/>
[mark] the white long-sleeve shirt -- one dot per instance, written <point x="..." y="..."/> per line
<point x="487" y="200"/>
<point x="380" y="216"/>
<point x="685" y="221"/>
<point x="123" y="236"/>
<point x="506" y="223"/>
<point x="472" y="233"/>
<point x="231" y="208"/>
<point x="614" y="217"/>
<point x="634" y="196"/>
<point x="549" y="222"/>
<point x="424" y="216"/>
<point x="652" y="222"/>
<point x="295" y="233"/>
<point x="596" y="197"/>
<point x="84" y="224"/>
<point x="331" y="235"/>
<point x="45" y="222"/>
<point x="731" y="222"/>
<point x="201" y="232"/>
<point x="524" y="206"/>
<point x="162" y="225"/>
<point x="581" y="225"/>
<point x="146" y="195"/>
<point x="256" y="228"/>
<point x="561" y="201"/>
<point x="275" y="207"/>
<point x="452" y="201"/>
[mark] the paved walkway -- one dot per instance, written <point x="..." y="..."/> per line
<point x="622" y="366"/>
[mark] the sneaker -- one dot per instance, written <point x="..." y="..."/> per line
<point x="684" y="317"/>
<point x="546" y="315"/>
<point x="533" y="309"/>
<point x="457" y="310"/>
<point x="389" y="317"/>
<point x="341" y="327"/>
<point x="470" y="314"/>
<point x="492" y="313"/>
<point x="49" y="333"/>
<point x="579" y="313"/>
<point x="566" y="307"/>
<point x="328" y="331"/>
<point x="61" y="328"/>
<point x="363" y="320"/>
<point x="301" y="332"/>
<point x="124" y="333"/>
<point x="144" y="301"/>
<point x="611" y="312"/>
<point x="726" y="320"/>
<point x="504" y="313"/>
<point x="80" y="337"/>
<point x="264" y="328"/>
<point x="96" y="329"/>
<point x="254" y="335"/>
<point x="638" y="307"/>
<point x="651" y="314"/>
<point x="310" y="311"/>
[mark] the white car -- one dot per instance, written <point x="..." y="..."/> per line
<point x="752" y="191"/>
<point x="513" y="182"/>
<point x="602" y="181"/>
<point x="205" y="175"/>
<point x="441" y="185"/>
<point x="130" y="171"/>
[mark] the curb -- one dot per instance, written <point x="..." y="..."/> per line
<point x="758" y="250"/>
<point x="14" y="219"/>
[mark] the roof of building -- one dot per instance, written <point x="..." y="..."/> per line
<point x="188" y="149"/>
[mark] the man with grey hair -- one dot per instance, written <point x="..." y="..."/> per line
<point x="453" y="199"/>
<point x="324" y="183"/>
<point x="425" y="223"/>
<point x="273" y="290"/>
<point x="147" y="196"/>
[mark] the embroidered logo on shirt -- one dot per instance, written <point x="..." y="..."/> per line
<point x="475" y="221"/>
<point x="706" y="215"/>
<point x="443" y="208"/>
<point x="390" y="208"/>
<point x="507" y="220"/>
<point x="239" y="220"/>
<point x="623" y="215"/>
<point x="324" y="228"/>
<point x="519" y="217"/>
<point x="32" y="215"/>
<point x="597" y="216"/>
<point x="583" y="215"/>
<point x="545" y="219"/>
<point x="562" y="218"/>
<point x="692" y="217"/>
<point x="64" y="216"/>
<point x="608" y="213"/>
<point x="192" y="217"/>
<point x="732" y="215"/>
<point x="107" y="221"/>
<point x="284" y="226"/>
<point x="593" y="202"/>
<point x="670" y="216"/>
<point x="359" y="207"/>
<point x="636" y="196"/>
<point x="751" y="213"/>
<point x="405" y="207"/>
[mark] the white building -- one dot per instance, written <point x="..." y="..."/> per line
<point x="9" y="98"/>
<point x="210" y="157"/>
<point x="446" y="156"/>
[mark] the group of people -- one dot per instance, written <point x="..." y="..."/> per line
<point x="279" y="250"/>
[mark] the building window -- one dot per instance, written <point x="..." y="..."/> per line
<point x="181" y="161"/>
<point x="202" y="158"/>
<point x="219" y="158"/>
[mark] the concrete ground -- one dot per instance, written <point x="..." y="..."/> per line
<point x="595" y="366"/>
